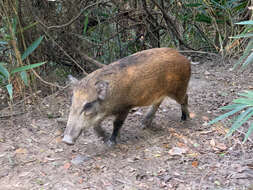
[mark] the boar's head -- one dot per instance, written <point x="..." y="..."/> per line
<point x="86" y="109"/>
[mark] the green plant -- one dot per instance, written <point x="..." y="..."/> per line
<point x="247" y="57"/>
<point x="12" y="42"/>
<point x="209" y="23"/>
<point x="6" y="74"/>
<point x="243" y="105"/>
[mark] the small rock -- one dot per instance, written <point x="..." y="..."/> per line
<point x="207" y="73"/>
<point x="177" y="151"/>
<point x="79" y="159"/>
<point x="138" y="113"/>
<point x="195" y="63"/>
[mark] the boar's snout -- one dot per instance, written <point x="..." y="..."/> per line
<point x="68" y="140"/>
<point x="71" y="134"/>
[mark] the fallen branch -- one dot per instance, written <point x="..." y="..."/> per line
<point x="91" y="60"/>
<point x="42" y="80"/>
<point x="11" y="115"/>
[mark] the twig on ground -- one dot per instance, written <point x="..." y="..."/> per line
<point x="11" y="115"/>
<point x="90" y="60"/>
<point x="42" y="80"/>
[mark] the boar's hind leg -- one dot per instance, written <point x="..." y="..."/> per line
<point x="150" y="115"/>
<point x="184" y="108"/>
<point x="117" y="124"/>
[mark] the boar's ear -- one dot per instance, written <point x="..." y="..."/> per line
<point x="72" y="80"/>
<point x="101" y="87"/>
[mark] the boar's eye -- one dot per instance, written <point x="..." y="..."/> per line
<point x="88" y="108"/>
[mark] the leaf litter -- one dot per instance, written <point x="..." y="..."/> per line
<point x="174" y="156"/>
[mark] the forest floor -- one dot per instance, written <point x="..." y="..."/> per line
<point x="174" y="155"/>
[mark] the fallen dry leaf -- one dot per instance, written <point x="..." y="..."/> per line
<point x="58" y="139"/>
<point x="221" y="146"/>
<point x="195" y="163"/>
<point x="67" y="165"/>
<point x="177" y="151"/>
<point x="207" y="73"/>
<point x="250" y="166"/>
<point x="220" y="128"/>
<point x="58" y="133"/>
<point x="21" y="151"/>
<point x="165" y="145"/>
<point x="179" y="144"/>
<point x="81" y="181"/>
<point x="157" y="155"/>
<point x="205" y="132"/>
<point x="192" y="115"/>
<point x="205" y="118"/>
<point x="212" y="142"/>
<point x="195" y="154"/>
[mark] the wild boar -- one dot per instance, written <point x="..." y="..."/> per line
<point x="142" y="79"/>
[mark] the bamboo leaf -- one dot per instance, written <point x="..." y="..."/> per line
<point x="2" y="42"/>
<point x="230" y="107"/>
<point x="249" y="35"/>
<point x="4" y="71"/>
<point x="227" y="114"/>
<point x="246" y="53"/>
<point x="193" y="4"/>
<point x="240" y="6"/>
<point x="10" y="90"/>
<point x="27" y="67"/>
<point x="14" y="24"/>
<point x="31" y="48"/>
<point x="244" y="101"/>
<point x="248" y="94"/>
<point x="85" y="24"/>
<point x="200" y="17"/>
<point x="250" y="130"/>
<point x="27" y="27"/>
<point x="218" y="5"/>
<point x="24" y="77"/>
<point x="241" y="117"/>
<point x="233" y="129"/>
<point x="247" y="22"/>
<point x="248" y="61"/>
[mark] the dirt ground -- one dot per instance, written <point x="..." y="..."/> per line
<point x="174" y="155"/>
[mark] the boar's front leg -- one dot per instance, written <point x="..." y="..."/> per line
<point x="117" y="124"/>
<point x="100" y="132"/>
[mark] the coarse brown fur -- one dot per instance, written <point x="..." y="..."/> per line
<point x="142" y="79"/>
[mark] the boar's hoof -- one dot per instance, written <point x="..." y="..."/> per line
<point x="68" y="140"/>
<point x="110" y="143"/>
<point x="184" y="116"/>
<point x="146" y="123"/>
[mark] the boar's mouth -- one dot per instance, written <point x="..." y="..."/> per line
<point x="69" y="140"/>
